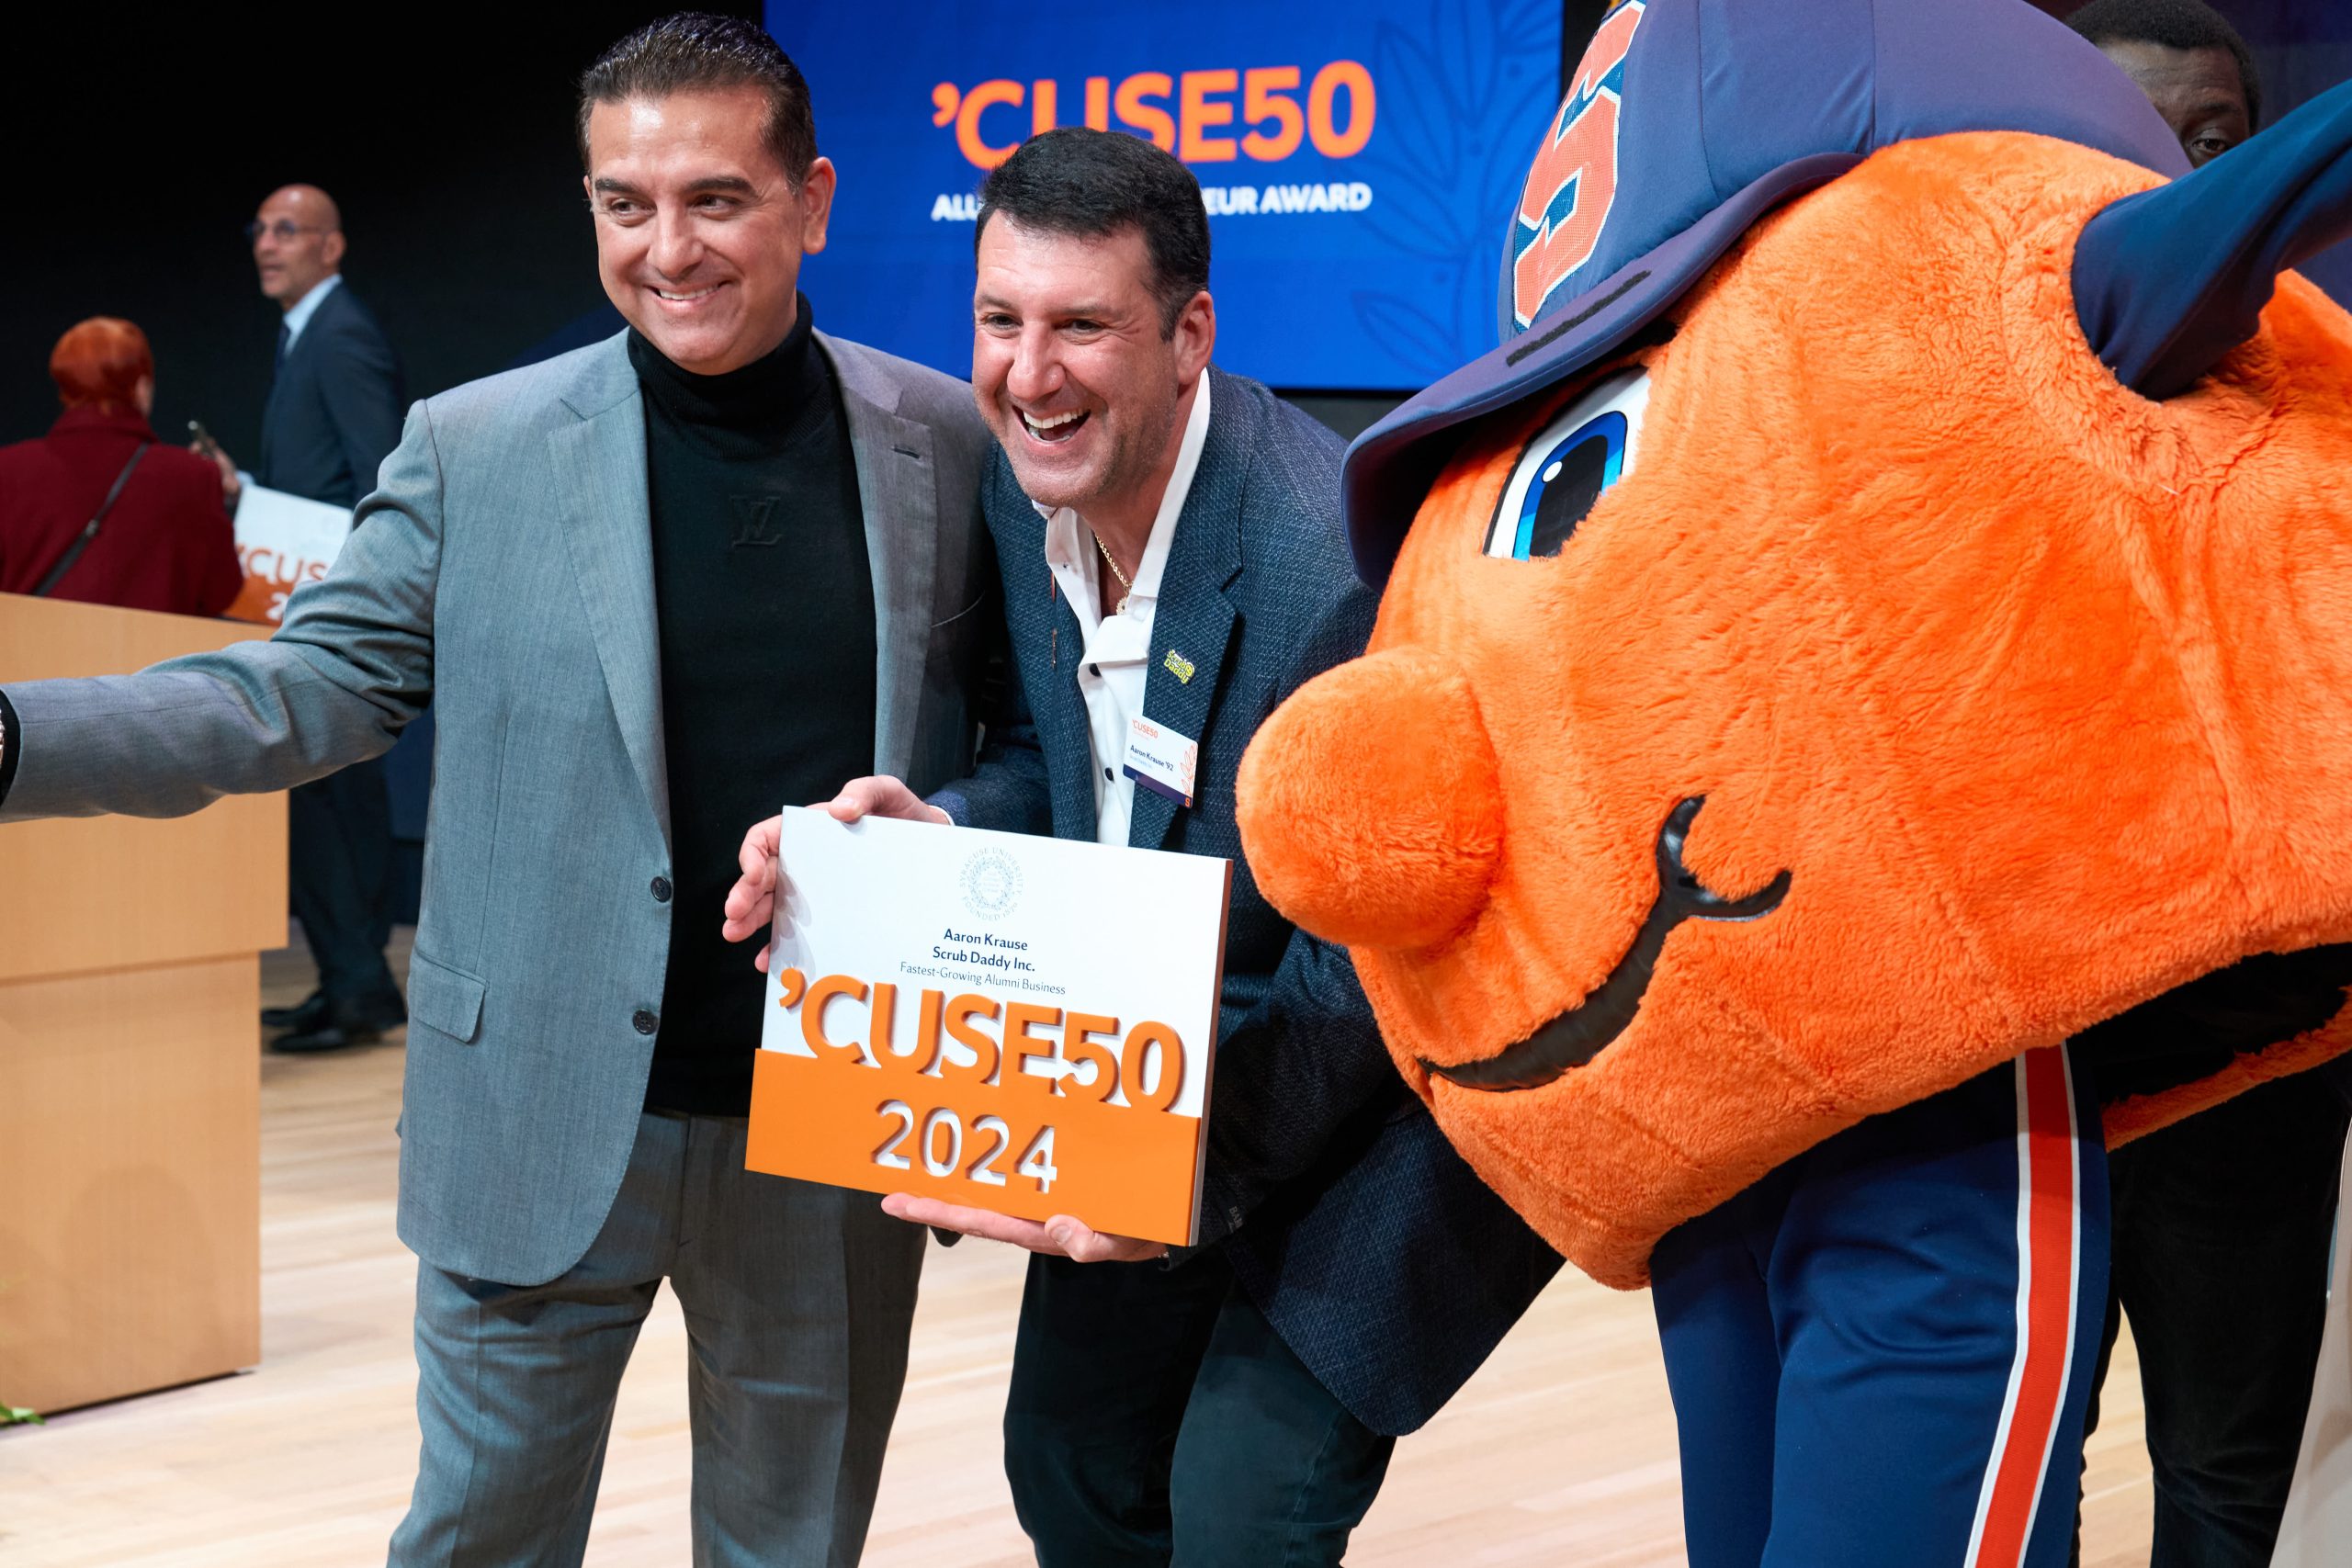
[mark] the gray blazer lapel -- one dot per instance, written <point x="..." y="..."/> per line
<point x="899" y="491"/>
<point x="1193" y="618"/>
<point x="600" y="491"/>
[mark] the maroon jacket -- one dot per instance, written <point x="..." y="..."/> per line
<point x="166" y="545"/>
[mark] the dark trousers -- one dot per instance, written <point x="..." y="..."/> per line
<point x="1155" y="1418"/>
<point x="798" y="1298"/>
<point x="2221" y="1233"/>
<point x="1878" y="1352"/>
<point x="338" y="871"/>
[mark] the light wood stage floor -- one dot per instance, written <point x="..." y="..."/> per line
<point x="1560" y="1450"/>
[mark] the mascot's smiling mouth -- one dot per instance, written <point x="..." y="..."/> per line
<point x="1579" y="1034"/>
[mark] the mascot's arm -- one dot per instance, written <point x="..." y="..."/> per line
<point x="1009" y="789"/>
<point x="2168" y="281"/>
<point x="1305" y="1065"/>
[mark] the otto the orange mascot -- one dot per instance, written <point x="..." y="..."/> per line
<point x="1861" y="716"/>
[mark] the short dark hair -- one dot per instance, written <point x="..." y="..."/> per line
<point x="2172" y="24"/>
<point x="694" y="49"/>
<point x="1095" y="183"/>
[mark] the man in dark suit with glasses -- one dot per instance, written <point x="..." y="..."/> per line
<point x="335" y="411"/>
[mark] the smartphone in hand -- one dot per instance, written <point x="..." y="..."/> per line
<point x="200" y="441"/>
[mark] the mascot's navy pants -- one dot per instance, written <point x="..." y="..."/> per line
<point x="1880" y="1353"/>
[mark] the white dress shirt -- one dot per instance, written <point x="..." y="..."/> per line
<point x="1111" y="665"/>
<point x="307" y="306"/>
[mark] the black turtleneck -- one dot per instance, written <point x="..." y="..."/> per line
<point x="765" y="601"/>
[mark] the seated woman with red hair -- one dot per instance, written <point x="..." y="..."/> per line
<point x="165" y="543"/>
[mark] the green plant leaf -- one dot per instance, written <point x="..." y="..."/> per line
<point x="11" y="1415"/>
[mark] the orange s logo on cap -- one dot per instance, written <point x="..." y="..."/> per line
<point x="1574" y="181"/>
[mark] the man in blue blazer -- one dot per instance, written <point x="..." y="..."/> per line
<point x="1170" y="542"/>
<point x="334" y="411"/>
<point x="336" y="395"/>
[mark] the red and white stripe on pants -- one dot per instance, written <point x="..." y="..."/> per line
<point x="2050" y="1266"/>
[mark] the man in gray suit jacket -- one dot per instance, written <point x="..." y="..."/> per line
<point x="697" y="566"/>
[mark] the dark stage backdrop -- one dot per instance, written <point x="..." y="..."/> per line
<point x="141" y="143"/>
<point x="2302" y="47"/>
<point x="144" y="141"/>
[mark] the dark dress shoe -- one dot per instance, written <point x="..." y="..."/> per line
<point x="325" y="1037"/>
<point x="340" y="1025"/>
<point x="308" y="1013"/>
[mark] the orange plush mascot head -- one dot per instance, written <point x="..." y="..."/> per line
<point x="1810" y="676"/>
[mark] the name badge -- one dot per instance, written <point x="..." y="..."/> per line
<point x="1160" y="760"/>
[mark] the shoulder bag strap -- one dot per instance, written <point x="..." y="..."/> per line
<point x="90" y="529"/>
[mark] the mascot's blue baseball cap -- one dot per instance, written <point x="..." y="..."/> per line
<point x="1685" y="122"/>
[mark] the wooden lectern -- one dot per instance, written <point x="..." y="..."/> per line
<point x="129" y="1058"/>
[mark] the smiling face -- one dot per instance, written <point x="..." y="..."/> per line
<point x="1797" y="717"/>
<point x="699" y="232"/>
<point x="1074" y="371"/>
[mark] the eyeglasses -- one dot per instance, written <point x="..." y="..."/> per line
<point x="283" y="231"/>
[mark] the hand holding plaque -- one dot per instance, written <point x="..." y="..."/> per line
<point x="995" y="1021"/>
<point x="751" y="903"/>
<point x="1064" y="1235"/>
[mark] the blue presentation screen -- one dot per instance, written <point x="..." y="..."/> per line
<point x="1359" y="160"/>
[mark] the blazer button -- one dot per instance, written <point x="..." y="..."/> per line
<point x="646" y="1021"/>
<point x="660" y="889"/>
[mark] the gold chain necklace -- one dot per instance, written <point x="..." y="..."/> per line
<point x="1125" y="583"/>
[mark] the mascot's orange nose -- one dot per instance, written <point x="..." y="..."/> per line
<point x="1369" y="804"/>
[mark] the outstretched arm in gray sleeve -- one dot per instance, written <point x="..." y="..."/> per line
<point x="350" y="668"/>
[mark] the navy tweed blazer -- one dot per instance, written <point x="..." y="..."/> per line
<point x="1385" y="1265"/>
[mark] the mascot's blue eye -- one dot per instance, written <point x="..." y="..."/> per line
<point x="1569" y="478"/>
<point x="1577" y="455"/>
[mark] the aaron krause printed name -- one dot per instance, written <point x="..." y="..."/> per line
<point x="986" y="949"/>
